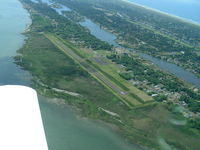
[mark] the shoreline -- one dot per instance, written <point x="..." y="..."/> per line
<point x="27" y="27"/>
<point x="64" y="104"/>
<point x="98" y="120"/>
<point x="185" y="20"/>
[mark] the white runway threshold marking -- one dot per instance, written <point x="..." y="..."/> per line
<point x="21" y="126"/>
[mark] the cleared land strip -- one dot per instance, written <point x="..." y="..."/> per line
<point x="130" y="99"/>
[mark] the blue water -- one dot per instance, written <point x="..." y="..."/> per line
<point x="188" y="9"/>
<point x="174" y="69"/>
<point x="59" y="10"/>
<point x="64" y="130"/>
<point x="110" y="38"/>
<point x="11" y="40"/>
<point x="99" y="33"/>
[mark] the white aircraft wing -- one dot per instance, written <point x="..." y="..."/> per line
<point x="21" y="126"/>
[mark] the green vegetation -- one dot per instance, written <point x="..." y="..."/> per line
<point x="64" y="27"/>
<point x="72" y="15"/>
<point x="63" y="70"/>
<point x="122" y="86"/>
<point x="106" y="79"/>
<point x="192" y="101"/>
<point x="194" y="123"/>
<point x="48" y="64"/>
<point x="145" y="30"/>
<point x="51" y="67"/>
<point x="135" y="69"/>
<point x="138" y="71"/>
<point x="146" y="25"/>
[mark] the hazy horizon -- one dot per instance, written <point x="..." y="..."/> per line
<point x="187" y="9"/>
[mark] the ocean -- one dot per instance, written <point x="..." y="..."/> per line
<point x="187" y="9"/>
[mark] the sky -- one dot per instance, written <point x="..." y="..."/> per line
<point x="188" y="9"/>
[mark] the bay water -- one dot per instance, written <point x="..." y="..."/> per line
<point x="110" y="38"/>
<point x="64" y="130"/>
